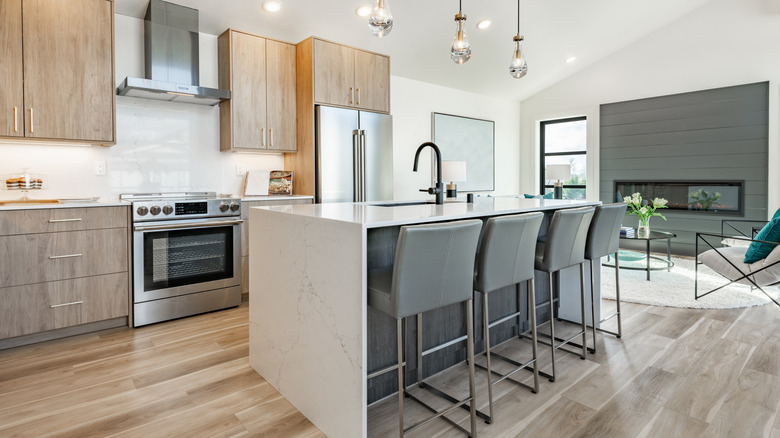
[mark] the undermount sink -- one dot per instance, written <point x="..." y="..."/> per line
<point x="401" y="203"/>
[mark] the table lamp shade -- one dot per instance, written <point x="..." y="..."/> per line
<point x="557" y="172"/>
<point x="453" y="171"/>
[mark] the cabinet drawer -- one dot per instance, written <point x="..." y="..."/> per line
<point x="37" y="258"/>
<point x="47" y="306"/>
<point x="61" y="219"/>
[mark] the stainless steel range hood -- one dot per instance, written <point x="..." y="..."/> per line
<point x="171" y="50"/>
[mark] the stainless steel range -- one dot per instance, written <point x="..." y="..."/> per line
<point x="186" y="254"/>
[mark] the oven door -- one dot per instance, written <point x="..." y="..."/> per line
<point x="175" y="258"/>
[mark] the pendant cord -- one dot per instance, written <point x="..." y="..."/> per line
<point x="518" y="17"/>
<point x="460" y="5"/>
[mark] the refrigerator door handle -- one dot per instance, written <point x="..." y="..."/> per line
<point x="363" y="165"/>
<point x="356" y="174"/>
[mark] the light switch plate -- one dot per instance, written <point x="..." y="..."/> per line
<point x="100" y="167"/>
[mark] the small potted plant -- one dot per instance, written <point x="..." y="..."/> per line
<point x="644" y="211"/>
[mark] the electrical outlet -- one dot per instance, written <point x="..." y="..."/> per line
<point x="100" y="167"/>
<point x="240" y="170"/>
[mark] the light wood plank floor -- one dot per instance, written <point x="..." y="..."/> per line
<point x="676" y="373"/>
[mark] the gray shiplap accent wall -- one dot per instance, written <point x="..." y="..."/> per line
<point x="717" y="134"/>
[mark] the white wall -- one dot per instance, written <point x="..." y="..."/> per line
<point x="412" y="105"/>
<point x="723" y="43"/>
<point x="161" y="146"/>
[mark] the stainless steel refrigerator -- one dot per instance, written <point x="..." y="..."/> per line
<point x="354" y="156"/>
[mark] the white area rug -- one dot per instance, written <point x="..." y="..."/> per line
<point x="676" y="288"/>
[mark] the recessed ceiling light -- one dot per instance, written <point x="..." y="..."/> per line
<point x="571" y="59"/>
<point x="483" y="24"/>
<point x="363" y="11"/>
<point x="272" y="5"/>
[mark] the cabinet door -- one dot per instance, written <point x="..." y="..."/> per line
<point x="11" y="71"/>
<point x="69" y="69"/>
<point x="281" y="106"/>
<point x="334" y="74"/>
<point x="372" y="81"/>
<point x="248" y="84"/>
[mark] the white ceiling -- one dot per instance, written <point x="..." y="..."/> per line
<point x="419" y="43"/>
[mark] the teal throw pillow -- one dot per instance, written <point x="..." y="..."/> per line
<point x="757" y="250"/>
<point x="776" y="215"/>
<point x="527" y="196"/>
<point x="548" y="195"/>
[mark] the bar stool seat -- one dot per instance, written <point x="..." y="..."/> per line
<point x="506" y="258"/>
<point x="433" y="268"/>
<point x="564" y="247"/>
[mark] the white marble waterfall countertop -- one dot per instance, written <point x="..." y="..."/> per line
<point x="379" y="214"/>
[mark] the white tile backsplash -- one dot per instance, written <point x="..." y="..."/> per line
<point x="161" y="146"/>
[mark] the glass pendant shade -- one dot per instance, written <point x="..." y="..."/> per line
<point x="380" y="22"/>
<point x="518" y="67"/>
<point x="461" y="49"/>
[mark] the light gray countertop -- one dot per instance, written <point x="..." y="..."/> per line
<point x="373" y="215"/>
<point x="108" y="202"/>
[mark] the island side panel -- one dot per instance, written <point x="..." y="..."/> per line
<point x="307" y="313"/>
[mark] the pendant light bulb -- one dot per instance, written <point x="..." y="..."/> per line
<point x="461" y="49"/>
<point x="380" y="22"/>
<point x="518" y="67"/>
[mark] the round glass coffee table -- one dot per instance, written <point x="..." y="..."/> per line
<point x="654" y="235"/>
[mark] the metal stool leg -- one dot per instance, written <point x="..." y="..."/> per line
<point x="401" y="387"/>
<point x="582" y="304"/>
<point x="552" y="326"/>
<point x="593" y="304"/>
<point x="617" y="295"/>
<point x="470" y="356"/>
<point x="419" y="351"/>
<point x="532" y="306"/>
<point x="486" y="324"/>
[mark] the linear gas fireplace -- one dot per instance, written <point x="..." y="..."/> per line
<point x="723" y="197"/>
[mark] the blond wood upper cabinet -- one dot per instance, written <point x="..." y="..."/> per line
<point x="67" y="81"/>
<point x="261" y="114"/>
<point x="350" y="77"/>
<point x="11" y="69"/>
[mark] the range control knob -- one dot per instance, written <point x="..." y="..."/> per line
<point x="235" y="206"/>
<point x="155" y="210"/>
<point x="142" y="211"/>
<point x="223" y="207"/>
<point x="167" y="209"/>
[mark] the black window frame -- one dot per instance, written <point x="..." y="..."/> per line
<point x="543" y="155"/>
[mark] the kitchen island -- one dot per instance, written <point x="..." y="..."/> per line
<point x="312" y="335"/>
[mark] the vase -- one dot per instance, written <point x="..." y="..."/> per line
<point x="643" y="230"/>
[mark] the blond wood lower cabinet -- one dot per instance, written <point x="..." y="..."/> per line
<point x="54" y="220"/>
<point x="37" y="258"/>
<point x="47" y="306"/>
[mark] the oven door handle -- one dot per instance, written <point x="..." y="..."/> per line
<point x="187" y="225"/>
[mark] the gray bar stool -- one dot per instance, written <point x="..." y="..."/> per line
<point x="565" y="247"/>
<point x="603" y="240"/>
<point x="433" y="268"/>
<point x="506" y="257"/>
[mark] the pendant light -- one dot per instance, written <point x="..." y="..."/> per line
<point x="518" y="67"/>
<point x="380" y="22"/>
<point x="461" y="49"/>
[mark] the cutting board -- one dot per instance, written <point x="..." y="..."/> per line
<point x="256" y="183"/>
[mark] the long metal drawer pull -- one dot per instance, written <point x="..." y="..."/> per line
<point x="358" y="97"/>
<point x="66" y="304"/>
<point x="351" y="95"/>
<point x="16" y="119"/>
<point x="32" y="121"/>
<point x="190" y="225"/>
<point x="262" y="136"/>
<point x="271" y="134"/>
<point x="67" y="256"/>
<point x="52" y="221"/>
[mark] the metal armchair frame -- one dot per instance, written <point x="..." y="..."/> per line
<point x="745" y="276"/>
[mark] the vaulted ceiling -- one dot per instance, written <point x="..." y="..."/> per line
<point x="419" y="43"/>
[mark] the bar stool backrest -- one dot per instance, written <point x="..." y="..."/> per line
<point x="434" y="266"/>
<point x="565" y="245"/>
<point x="604" y="233"/>
<point x="506" y="256"/>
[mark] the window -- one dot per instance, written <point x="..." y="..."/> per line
<point x="563" y="141"/>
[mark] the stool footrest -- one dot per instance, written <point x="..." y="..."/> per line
<point x="503" y="319"/>
<point x="444" y="345"/>
<point x="464" y="404"/>
<point x="518" y="366"/>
